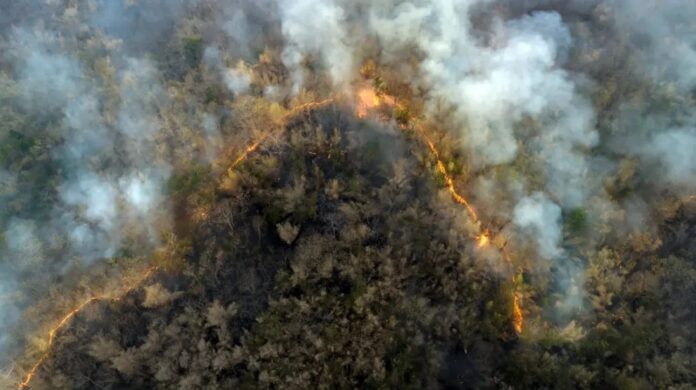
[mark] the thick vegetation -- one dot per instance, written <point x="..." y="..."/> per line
<point x="295" y="245"/>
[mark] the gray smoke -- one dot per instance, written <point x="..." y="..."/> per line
<point x="523" y="84"/>
<point x="515" y="81"/>
<point x="495" y="85"/>
<point x="541" y="219"/>
<point x="90" y="206"/>
<point x="316" y="27"/>
<point x="237" y="80"/>
<point x="109" y="174"/>
<point x="662" y="38"/>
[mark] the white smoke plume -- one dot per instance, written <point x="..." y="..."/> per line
<point x="109" y="178"/>
<point x="513" y="81"/>
<point x="316" y="27"/>
<point x="662" y="39"/>
<point x="520" y="78"/>
<point x="238" y="81"/>
<point x="493" y="84"/>
<point x="541" y="218"/>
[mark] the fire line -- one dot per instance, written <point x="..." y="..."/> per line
<point x="368" y="99"/>
<point x="294" y="111"/>
<point x="65" y="320"/>
<point x="249" y="149"/>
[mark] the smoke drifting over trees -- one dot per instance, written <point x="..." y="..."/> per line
<point x="289" y="168"/>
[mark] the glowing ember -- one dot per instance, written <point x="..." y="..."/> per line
<point x="309" y="106"/>
<point x="201" y="214"/>
<point x="249" y="149"/>
<point x="449" y="181"/>
<point x="65" y="320"/>
<point x="368" y="100"/>
<point x="302" y="107"/>
<point x="483" y="240"/>
<point x="517" y="316"/>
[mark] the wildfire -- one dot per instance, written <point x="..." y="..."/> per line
<point x="309" y="106"/>
<point x="368" y="100"/>
<point x="294" y="111"/>
<point x="517" y="315"/>
<point x="449" y="181"/>
<point x="483" y="240"/>
<point x="65" y="320"/>
<point x="249" y="149"/>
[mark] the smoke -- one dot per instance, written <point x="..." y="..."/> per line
<point x="238" y="80"/>
<point x="89" y="157"/>
<point x="316" y="27"/>
<point x="87" y="90"/>
<point x="523" y="79"/>
<point x="661" y="129"/>
<point x="139" y="25"/>
<point x="512" y="98"/>
<point x="96" y="198"/>
<point x="250" y="26"/>
<point x="89" y="207"/>
<point x="495" y="87"/>
<point x="663" y="37"/>
<point x="8" y="181"/>
<point x="47" y="80"/>
<point x="674" y="151"/>
<point x="541" y="219"/>
<point x="11" y="314"/>
<point x="22" y="252"/>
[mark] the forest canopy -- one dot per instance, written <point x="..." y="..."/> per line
<point x="456" y="194"/>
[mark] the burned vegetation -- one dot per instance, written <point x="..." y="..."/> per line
<point x="324" y="263"/>
<point x="455" y="194"/>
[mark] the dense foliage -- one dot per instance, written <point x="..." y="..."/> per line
<point x="330" y="255"/>
<point x="325" y="266"/>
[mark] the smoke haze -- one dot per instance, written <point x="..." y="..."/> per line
<point x="545" y="99"/>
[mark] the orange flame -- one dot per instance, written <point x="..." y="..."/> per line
<point x="368" y="100"/>
<point x="517" y="315"/>
<point x="309" y="106"/>
<point x="483" y="240"/>
<point x="65" y="320"/>
<point x="449" y="181"/>
<point x="294" y="111"/>
<point x="249" y="149"/>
